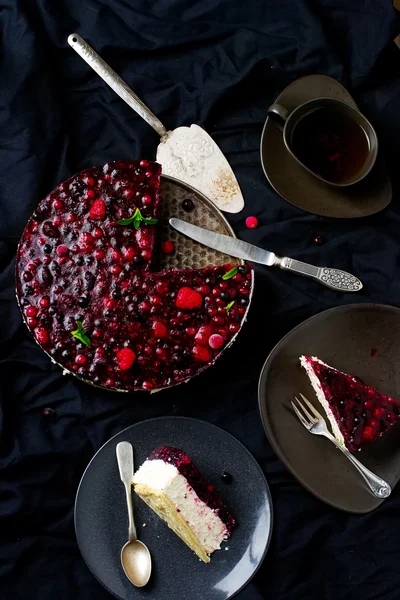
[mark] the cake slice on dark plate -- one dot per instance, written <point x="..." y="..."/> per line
<point x="358" y="413"/>
<point x="176" y="491"/>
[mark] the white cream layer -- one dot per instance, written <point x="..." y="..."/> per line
<point x="161" y="476"/>
<point x="315" y="382"/>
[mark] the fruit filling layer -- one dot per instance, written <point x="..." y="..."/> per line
<point x="361" y="413"/>
<point x="204" y="490"/>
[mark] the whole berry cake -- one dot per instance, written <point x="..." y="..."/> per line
<point x="358" y="413"/>
<point x="175" y="489"/>
<point x="85" y="288"/>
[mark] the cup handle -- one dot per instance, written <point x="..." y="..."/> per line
<point x="278" y="114"/>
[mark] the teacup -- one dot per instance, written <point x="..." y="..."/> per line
<point x="329" y="138"/>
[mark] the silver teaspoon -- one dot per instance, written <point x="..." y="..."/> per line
<point x="135" y="556"/>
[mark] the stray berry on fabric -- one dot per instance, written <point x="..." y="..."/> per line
<point x="251" y="222"/>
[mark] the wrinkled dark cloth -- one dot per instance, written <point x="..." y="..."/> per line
<point x="218" y="63"/>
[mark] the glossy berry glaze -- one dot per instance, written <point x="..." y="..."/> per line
<point x="197" y="481"/>
<point x="362" y="413"/>
<point x="76" y="263"/>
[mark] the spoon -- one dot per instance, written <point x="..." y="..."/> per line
<point x="135" y="556"/>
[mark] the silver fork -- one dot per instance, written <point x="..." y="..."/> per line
<point x="316" y="424"/>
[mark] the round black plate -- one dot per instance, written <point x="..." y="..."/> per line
<point x="360" y="339"/>
<point x="101" y="516"/>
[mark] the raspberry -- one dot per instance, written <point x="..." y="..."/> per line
<point x="98" y="210"/>
<point x="188" y="298"/>
<point x="202" y="353"/>
<point x="126" y="357"/>
<point x="203" y="335"/>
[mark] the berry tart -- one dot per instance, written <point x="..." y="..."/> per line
<point x="86" y="292"/>
<point x="178" y="493"/>
<point x="358" y="413"/>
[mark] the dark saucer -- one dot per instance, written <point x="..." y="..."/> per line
<point x="302" y="189"/>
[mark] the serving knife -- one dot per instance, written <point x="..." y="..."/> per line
<point x="334" y="279"/>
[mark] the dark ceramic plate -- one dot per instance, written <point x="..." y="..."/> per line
<point x="302" y="189"/>
<point x="360" y="339"/>
<point x="101" y="517"/>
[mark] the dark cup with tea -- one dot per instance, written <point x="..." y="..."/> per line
<point x="329" y="138"/>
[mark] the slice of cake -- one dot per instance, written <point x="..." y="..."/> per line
<point x="358" y="413"/>
<point x="175" y="489"/>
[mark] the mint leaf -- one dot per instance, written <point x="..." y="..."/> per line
<point x="80" y="334"/>
<point x="229" y="306"/>
<point x="230" y="274"/>
<point x="136" y="219"/>
<point x="124" y="221"/>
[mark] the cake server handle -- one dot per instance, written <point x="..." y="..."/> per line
<point x="334" y="279"/>
<point x="124" y="452"/>
<point x="115" y="82"/>
<point x="379" y="487"/>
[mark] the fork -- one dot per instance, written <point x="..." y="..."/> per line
<point x="315" y="423"/>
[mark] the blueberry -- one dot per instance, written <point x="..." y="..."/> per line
<point x="188" y="205"/>
<point x="177" y="359"/>
<point x="226" y="477"/>
<point x="138" y="260"/>
<point x="83" y="301"/>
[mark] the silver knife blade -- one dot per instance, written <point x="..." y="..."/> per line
<point x="224" y="243"/>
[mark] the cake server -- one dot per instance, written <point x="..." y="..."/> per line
<point x="335" y="279"/>
<point x="186" y="153"/>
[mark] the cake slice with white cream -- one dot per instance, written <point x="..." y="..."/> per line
<point x="176" y="491"/>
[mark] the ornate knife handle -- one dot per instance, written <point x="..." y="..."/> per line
<point x="115" y="82"/>
<point x="335" y="279"/>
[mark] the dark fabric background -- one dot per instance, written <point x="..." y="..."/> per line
<point x="218" y="63"/>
